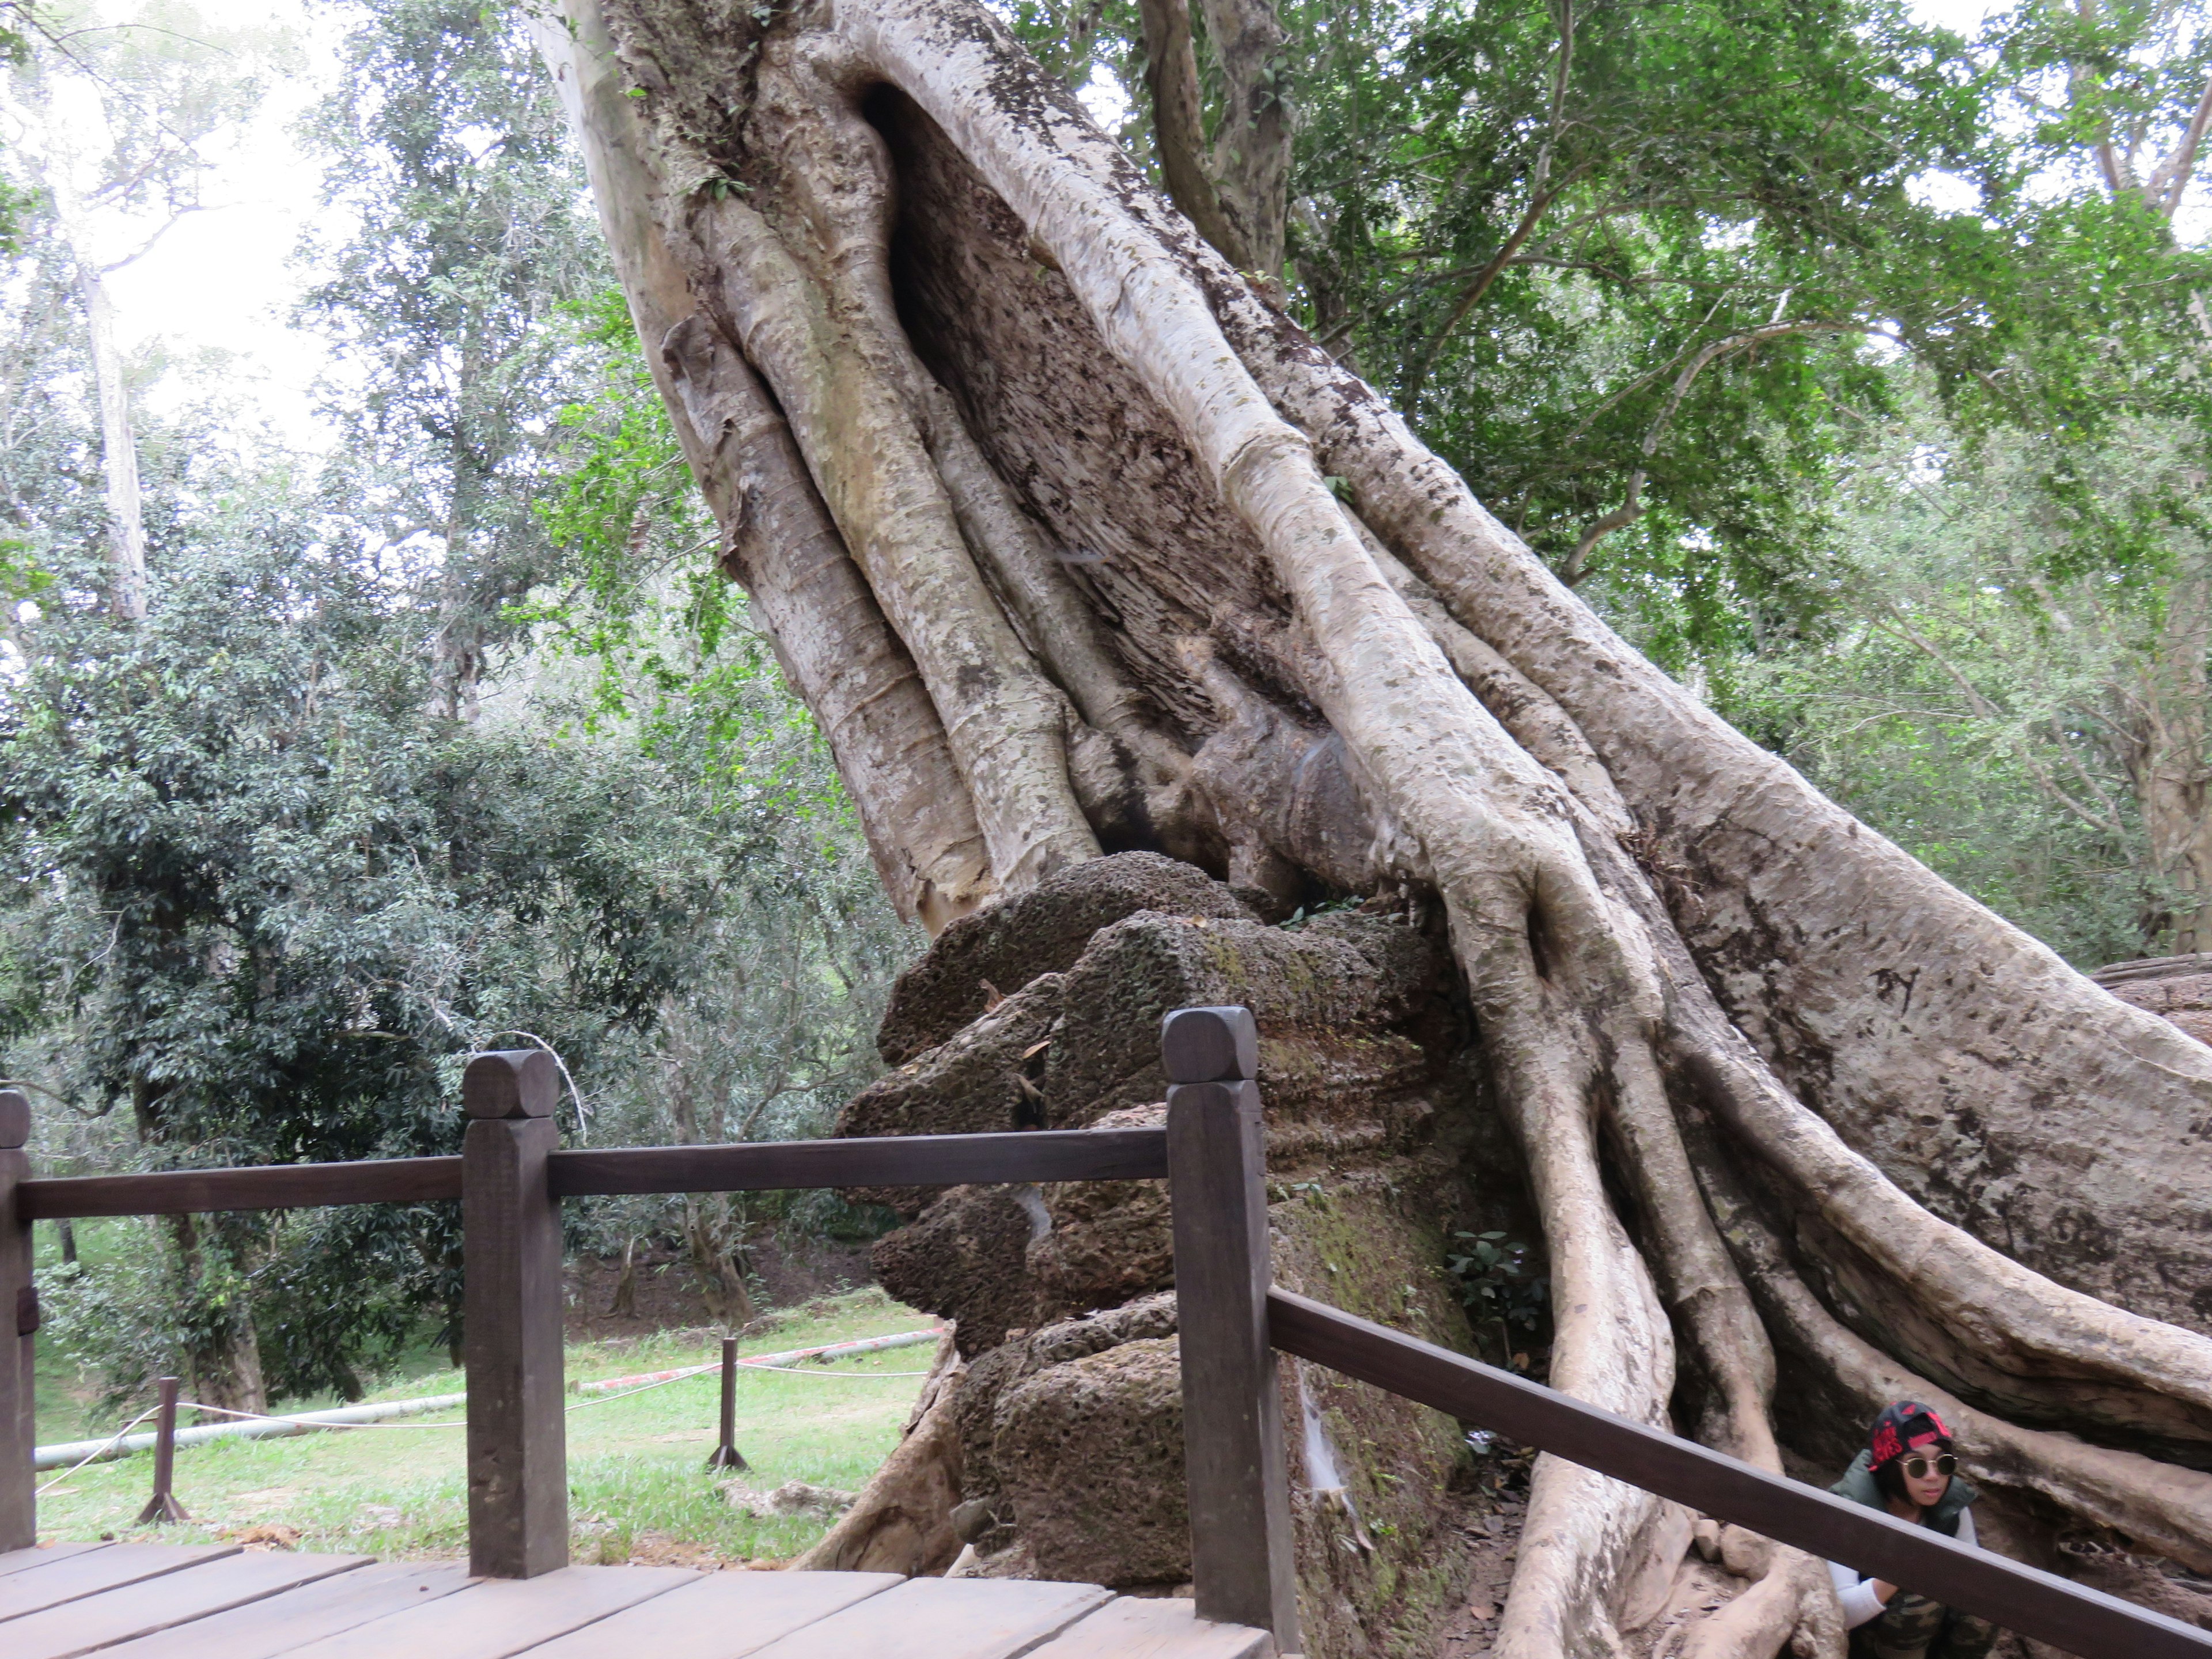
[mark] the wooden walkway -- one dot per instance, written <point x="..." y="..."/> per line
<point x="178" y="1601"/>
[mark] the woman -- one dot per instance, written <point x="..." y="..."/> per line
<point x="1908" y="1470"/>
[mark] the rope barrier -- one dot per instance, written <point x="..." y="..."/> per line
<point x="808" y="1370"/>
<point x="775" y="1361"/>
<point x="322" y="1422"/>
<point x="96" y="1451"/>
<point x="343" y="1417"/>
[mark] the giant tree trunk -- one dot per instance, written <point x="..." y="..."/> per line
<point x="1075" y="542"/>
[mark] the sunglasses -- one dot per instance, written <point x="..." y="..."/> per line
<point x="1918" y="1467"/>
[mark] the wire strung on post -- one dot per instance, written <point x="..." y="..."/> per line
<point x="727" y="1455"/>
<point x="162" y="1507"/>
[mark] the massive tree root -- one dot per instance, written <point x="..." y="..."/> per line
<point x="1074" y="541"/>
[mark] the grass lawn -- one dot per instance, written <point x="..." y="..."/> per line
<point x="639" y="1489"/>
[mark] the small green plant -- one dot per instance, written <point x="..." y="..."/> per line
<point x="1305" y="914"/>
<point x="1502" y="1294"/>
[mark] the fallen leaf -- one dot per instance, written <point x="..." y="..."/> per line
<point x="268" y="1536"/>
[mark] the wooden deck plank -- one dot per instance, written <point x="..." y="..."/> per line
<point x="1138" y="1627"/>
<point x="494" y="1618"/>
<point x="723" y="1615"/>
<point x="277" y="1625"/>
<point x="74" y="1577"/>
<point x="944" y="1618"/>
<point x="160" y="1604"/>
<point x="17" y="1561"/>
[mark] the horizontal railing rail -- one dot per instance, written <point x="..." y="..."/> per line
<point x="251" y="1187"/>
<point x="1976" y="1580"/>
<point x="1026" y="1155"/>
<point x="1032" y="1155"/>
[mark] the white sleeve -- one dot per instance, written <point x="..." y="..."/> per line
<point x="1856" y="1593"/>
<point x="1966" y="1529"/>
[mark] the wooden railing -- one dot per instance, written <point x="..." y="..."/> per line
<point x="1233" y="1320"/>
<point x="511" y="1176"/>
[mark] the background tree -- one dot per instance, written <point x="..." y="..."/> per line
<point x="2026" y="522"/>
<point x="111" y="118"/>
<point x="266" y="892"/>
<point x="447" y="296"/>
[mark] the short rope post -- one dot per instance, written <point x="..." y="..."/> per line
<point x="518" y="1447"/>
<point x="18" y="1319"/>
<point x="162" y="1507"/>
<point x="1242" y="1567"/>
<point x="727" y="1455"/>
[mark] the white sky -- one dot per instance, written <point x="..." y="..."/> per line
<point x="225" y="279"/>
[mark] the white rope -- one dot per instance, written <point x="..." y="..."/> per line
<point x="96" y="1450"/>
<point x="325" y="1423"/>
<point x="602" y="1399"/>
<point x="810" y="1371"/>
<point x="743" y="1365"/>
<point x="313" y="1422"/>
<point x="316" y="1423"/>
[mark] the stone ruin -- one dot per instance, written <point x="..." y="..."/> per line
<point x="1051" y="1445"/>
<point x="2178" y="989"/>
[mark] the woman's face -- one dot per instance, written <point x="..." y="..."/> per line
<point x="1926" y="1488"/>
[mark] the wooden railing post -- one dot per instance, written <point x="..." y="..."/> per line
<point x="162" y="1507"/>
<point x="511" y="1312"/>
<point x="1241" y="1569"/>
<point x="726" y="1455"/>
<point x="19" y="1318"/>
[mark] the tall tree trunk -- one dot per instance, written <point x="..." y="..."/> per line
<point x="118" y="443"/>
<point x="1076" y="541"/>
<point x="1179" y="126"/>
<point x="1252" y="139"/>
<point x="2169" y="762"/>
<point x="223" y="1350"/>
<point x="1235" y="192"/>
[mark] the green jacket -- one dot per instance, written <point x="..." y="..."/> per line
<point x="1858" y="1484"/>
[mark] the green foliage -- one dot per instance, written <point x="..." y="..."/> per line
<point x="1980" y="687"/>
<point x="1507" y="1296"/>
<point x="15" y="51"/>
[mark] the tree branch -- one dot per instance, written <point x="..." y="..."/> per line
<point x="1632" y="509"/>
<point x="1179" y="125"/>
<point x="1540" y="202"/>
<point x="2172" y="177"/>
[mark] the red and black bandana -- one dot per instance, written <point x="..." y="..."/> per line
<point x="1902" y="1425"/>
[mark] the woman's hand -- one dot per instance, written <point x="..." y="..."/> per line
<point x="1883" y="1591"/>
